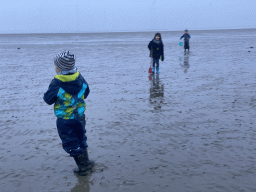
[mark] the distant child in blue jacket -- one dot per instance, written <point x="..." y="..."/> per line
<point x="186" y="40"/>
<point x="156" y="48"/>
<point x="67" y="92"/>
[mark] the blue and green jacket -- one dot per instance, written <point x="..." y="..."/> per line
<point x="67" y="93"/>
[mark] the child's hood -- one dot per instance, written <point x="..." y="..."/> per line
<point x="72" y="84"/>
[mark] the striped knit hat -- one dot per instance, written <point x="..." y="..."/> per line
<point x="65" y="61"/>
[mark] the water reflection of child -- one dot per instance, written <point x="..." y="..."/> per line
<point x="186" y="37"/>
<point x="185" y="62"/>
<point x="156" y="48"/>
<point x="83" y="184"/>
<point x="156" y="90"/>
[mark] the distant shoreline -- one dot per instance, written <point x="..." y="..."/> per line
<point x="147" y="31"/>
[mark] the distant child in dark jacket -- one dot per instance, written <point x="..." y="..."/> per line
<point x="67" y="92"/>
<point x="156" y="48"/>
<point x="186" y="40"/>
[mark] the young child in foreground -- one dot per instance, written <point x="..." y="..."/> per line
<point x="67" y="92"/>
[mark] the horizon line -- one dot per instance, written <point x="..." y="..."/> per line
<point x="89" y="32"/>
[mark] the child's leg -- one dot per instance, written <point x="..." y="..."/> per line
<point x="81" y="131"/>
<point x="68" y="131"/>
<point x="72" y="133"/>
<point x="157" y="65"/>
<point x="83" y="163"/>
<point x="186" y="46"/>
<point x="154" y="63"/>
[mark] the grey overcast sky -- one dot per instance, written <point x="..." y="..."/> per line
<point x="67" y="16"/>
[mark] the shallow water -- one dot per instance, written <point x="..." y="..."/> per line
<point x="190" y="128"/>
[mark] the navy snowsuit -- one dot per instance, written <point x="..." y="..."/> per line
<point x="186" y="40"/>
<point x="67" y="93"/>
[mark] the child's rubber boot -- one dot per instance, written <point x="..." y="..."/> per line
<point x="83" y="163"/>
<point x="157" y="70"/>
<point x="90" y="164"/>
<point x="153" y="70"/>
<point x="81" y="170"/>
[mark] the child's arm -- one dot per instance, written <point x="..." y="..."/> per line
<point x="150" y="45"/>
<point x="50" y="96"/>
<point x="162" y="57"/>
<point x="87" y="91"/>
<point x="182" y="36"/>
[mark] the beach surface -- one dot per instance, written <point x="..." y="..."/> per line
<point x="191" y="128"/>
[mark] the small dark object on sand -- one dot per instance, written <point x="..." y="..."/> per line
<point x="249" y="51"/>
<point x="18" y="48"/>
<point x="251" y="47"/>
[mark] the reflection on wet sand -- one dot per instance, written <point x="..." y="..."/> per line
<point x="82" y="184"/>
<point x="156" y="91"/>
<point x="185" y="64"/>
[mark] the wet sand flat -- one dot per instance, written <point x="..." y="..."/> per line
<point x="189" y="128"/>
